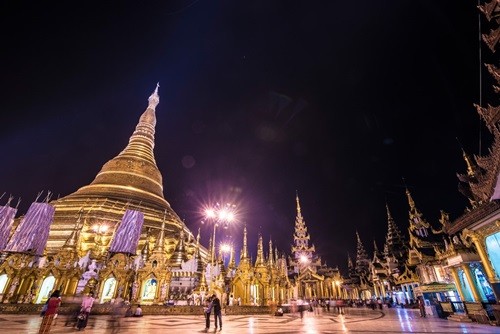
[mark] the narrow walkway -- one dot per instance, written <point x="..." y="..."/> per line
<point x="355" y="321"/>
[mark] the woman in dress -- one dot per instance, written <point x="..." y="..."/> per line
<point x="83" y="316"/>
<point x="52" y="306"/>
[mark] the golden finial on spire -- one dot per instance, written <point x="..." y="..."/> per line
<point x="154" y="99"/>
<point x="297" y="200"/>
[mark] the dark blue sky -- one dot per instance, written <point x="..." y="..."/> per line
<point x="338" y="100"/>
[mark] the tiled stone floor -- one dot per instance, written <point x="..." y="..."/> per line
<point x="355" y="321"/>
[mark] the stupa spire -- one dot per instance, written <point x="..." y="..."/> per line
<point x="160" y="241"/>
<point x="244" y="250"/>
<point x="270" y="262"/>
<point x="260" y="252"/>
<point x="71" y="242"/>
<point x="133" y="172"/>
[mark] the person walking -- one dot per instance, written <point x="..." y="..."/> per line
<point x="85" y="309"/>
<point x="217" y="311"/>
<point x="421" y="306"/>
<point x="52" y="306"/>
<point x="207" y="309"/>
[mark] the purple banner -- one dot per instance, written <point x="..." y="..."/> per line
<point x="128" y="233"/>
<point x="7" y="215"/>
<point x="33" y="230"/>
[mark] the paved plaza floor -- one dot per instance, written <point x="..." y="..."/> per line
<point x="355" y="321"/>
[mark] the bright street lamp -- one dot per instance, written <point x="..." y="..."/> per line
<point x="218" y="215"/>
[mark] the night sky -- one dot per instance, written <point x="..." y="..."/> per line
<point x="338" y="100"/>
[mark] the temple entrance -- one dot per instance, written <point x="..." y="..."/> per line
<point x="108" y="290"/>
<point x="47" y="286"/>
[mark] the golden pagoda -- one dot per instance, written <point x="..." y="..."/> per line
<point x="131" y="180"/>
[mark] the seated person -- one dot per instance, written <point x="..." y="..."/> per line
<point x="138" y="311"/>
<point x="129" y="312"/>
<point x="279" y="312"/>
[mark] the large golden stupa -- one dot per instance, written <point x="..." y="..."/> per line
<point x="131" y="180"/>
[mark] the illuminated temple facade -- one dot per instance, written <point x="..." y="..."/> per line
<point x="119" y="237"/>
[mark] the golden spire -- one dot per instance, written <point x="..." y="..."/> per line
<point x="411" y="202"/>
<point x="389" y="216"/>
<point x="244" y="250"/>
<point x="260" y="252"/>
<point x="298" y="202"/>
<point x="470" y="165"/>
<point x="198" y="236"/>
<point x="145" y="249"/>
<point x="160" y="241"/>
<point x="72" y="241"/>
<point x="133" y="173"/>
<point x="232" y="261"/>
<point x="271" y="256"/>
<point x="179" y="255"/>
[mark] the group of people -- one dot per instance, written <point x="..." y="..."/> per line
<point x="212" y="304"/>
<point x="50" y="309"/>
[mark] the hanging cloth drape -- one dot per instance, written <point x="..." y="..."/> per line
<point x="33" y="230"/>
<point x="7" y="215"/>
<point x="127" y="234"/>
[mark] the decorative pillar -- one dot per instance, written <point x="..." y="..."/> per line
<point x="472" y="282"/>
<point x="458" y="285"/>
<point x="376" y="289"/>
<point x="383" y="290"/>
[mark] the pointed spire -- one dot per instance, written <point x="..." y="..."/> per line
<point x="358" y="239"/>
<point x="260" y="252"/>
<point x="160" y="241"/>
<point x="154" y="99"/>
<point x="203" y="280"/>
<point x="72" y="241"/>
<point x="389" y="216"/>
<point x="417" y="223"/>
<point x="270" y="261"/>
<point x="244" y="250"/>
<point x="212" y="250"/>
<point x="179" y="255"/>
<point x="133" y="172"/>
<point x="298" y="202"/>
<point x="394" y="246"/>
<point x="411" y="202"/>
<point x="471" y="168"/>
<point x="349" y="261"/>
<point x="197" y="254"/>
<point x="145" y="248"/>
<point x="362" y="262"/>
<point x="375" y="248"/>
<point x="232" y="261"/>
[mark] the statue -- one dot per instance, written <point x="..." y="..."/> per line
<point x="84" y="261"/>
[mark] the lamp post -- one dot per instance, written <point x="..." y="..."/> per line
<point x="218" y="215"/>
